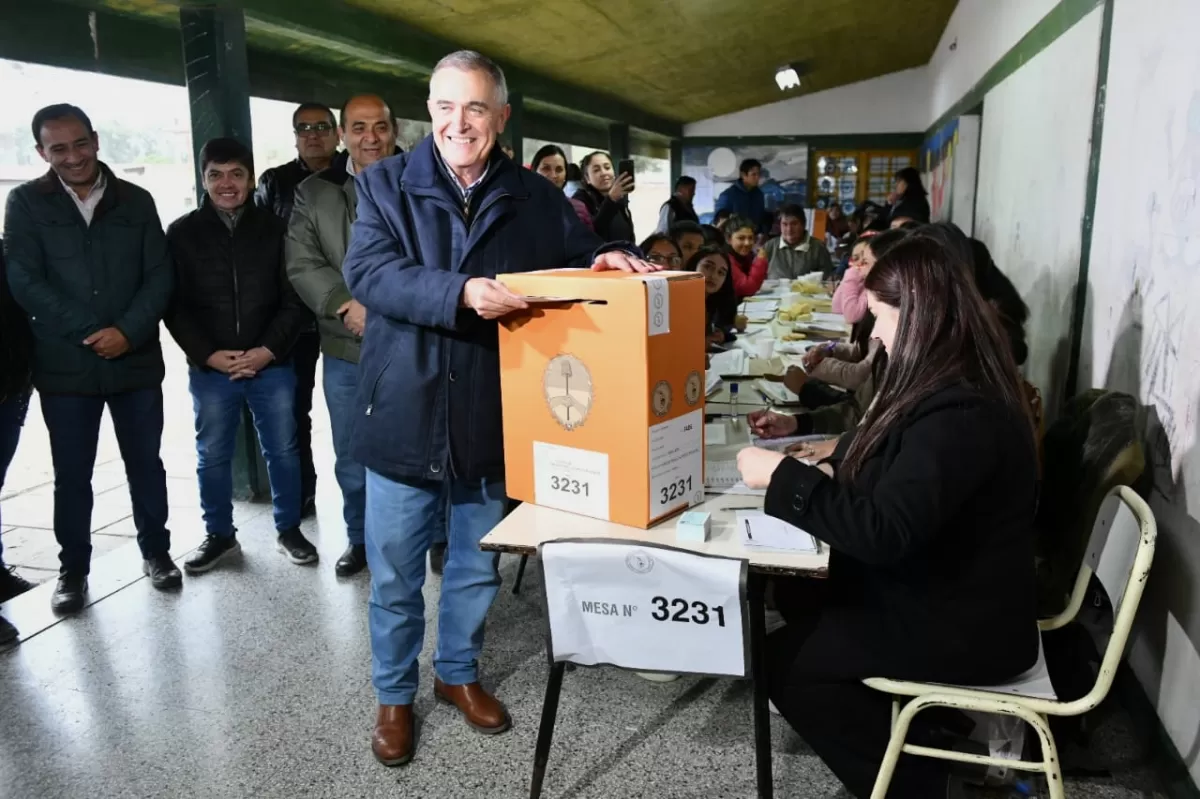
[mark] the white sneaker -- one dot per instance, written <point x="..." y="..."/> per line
<point x="654" y="676"/>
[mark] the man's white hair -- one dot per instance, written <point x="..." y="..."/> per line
<point x="471" y="61"/>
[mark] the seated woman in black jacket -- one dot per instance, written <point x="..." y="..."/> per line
<point x="720" y="303"/>
<point x="928" y="512"/>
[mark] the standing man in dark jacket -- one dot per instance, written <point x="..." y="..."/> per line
<point x="679" y="207"/>
<point x="316" y="148"/>
<point x="236" y="316"/>
<point x="88" y="262"/>
<point x="318" y="237"/>
<point x="745" y="198"/>
<point x="434" y="228"/>
<point x="16" y="347"/>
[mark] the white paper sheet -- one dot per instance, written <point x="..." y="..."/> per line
<point x="760" y="305"/>
<point x="732" y="362"/>
<point x="675" y="463"/>
<point x="777" y="392"/>
<point x="760" y="531"/>
<point x="714" y="435"/>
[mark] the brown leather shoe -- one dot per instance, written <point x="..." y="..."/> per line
<point x="392" y="741"/>
<point x="481" y="710"/>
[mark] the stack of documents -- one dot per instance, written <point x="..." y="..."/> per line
<point x="712" y="382"/>
<point x="760" y="531"/>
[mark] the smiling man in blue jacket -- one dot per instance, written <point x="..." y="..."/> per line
<point x="434" y="228"/>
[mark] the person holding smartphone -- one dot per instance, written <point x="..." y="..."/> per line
<point x="605" y="193"/>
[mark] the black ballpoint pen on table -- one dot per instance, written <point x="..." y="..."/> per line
<point x="748" y="533"/>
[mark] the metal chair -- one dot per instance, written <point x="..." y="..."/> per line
<point x="1120" y="551"/>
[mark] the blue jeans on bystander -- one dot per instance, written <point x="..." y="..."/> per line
<point x="12" y="417"/>
<point x="217" y="402"/>
<point x="340" y="382"/>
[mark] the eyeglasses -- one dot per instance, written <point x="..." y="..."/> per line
<point x="664" y="260"/>
<point x="308" y="127"/>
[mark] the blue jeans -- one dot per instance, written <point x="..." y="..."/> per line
<point x="402" y="518"/>
<point x="217" y="402"/>
<point x="73" y="422"/>
<point x="12" y="417"/>
<point x="341" y="380"/>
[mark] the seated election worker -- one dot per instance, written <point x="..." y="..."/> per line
<point x="661" y="249"/>
<point x="927" y="508"/>
<point x="720" y="302"/>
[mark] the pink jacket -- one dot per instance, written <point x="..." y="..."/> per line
<point x="582" y="212"/>
<point x="850" y="299"/>
<point x="748" y="273"/>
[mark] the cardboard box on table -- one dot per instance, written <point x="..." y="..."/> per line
<point x="603" y="393"/>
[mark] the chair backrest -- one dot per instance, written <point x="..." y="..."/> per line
<point x="1119" y="554"/>
<point x="1093" y="446"/>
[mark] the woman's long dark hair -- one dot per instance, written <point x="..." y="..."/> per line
<point x="913" y="187"/>
<point x="996" y="289"/>
<point x="721" y="307"/>
<point x="947" y="334"/>
<point x="654" y="238"/>
<point x="545" y="152"/>
<point x="586" y="162"/>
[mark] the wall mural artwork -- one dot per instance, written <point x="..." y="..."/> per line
<point x="715" y="168"/>
<point x="937" y="166"/>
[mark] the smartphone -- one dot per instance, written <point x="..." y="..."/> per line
<point x="625" y="167"/>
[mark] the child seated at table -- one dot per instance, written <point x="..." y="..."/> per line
<point x="720" y="303"/>
<point x="662" y="250"/>
<point x="848" y="365"/>
<point x="927" y="508"/>
<point x="748" y="266"/>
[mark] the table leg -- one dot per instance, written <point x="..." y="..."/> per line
<point x="520" y="574"/>
<point x="758" y="665"/>
<point x="546" y="731"/>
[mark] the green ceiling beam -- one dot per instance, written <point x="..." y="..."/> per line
<point x="360" y="34"/>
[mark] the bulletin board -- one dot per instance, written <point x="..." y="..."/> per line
<point x="849" y="177"/>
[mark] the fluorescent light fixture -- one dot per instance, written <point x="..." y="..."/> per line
<point x="787" y="78"/>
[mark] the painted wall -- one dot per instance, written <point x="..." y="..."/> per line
<point x="949" y="163"/>
<point x="1033" y="166"/>
<point x="894" y="103"/>
<point x="981" y="32"/>
<point x="1141" y="330"/>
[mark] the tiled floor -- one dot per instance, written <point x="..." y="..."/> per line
<point x="253" y="681"/>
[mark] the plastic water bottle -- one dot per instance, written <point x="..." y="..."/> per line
<point x="733" y="402"/>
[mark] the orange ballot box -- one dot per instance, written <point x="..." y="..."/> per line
<point x="603" y="392"/>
